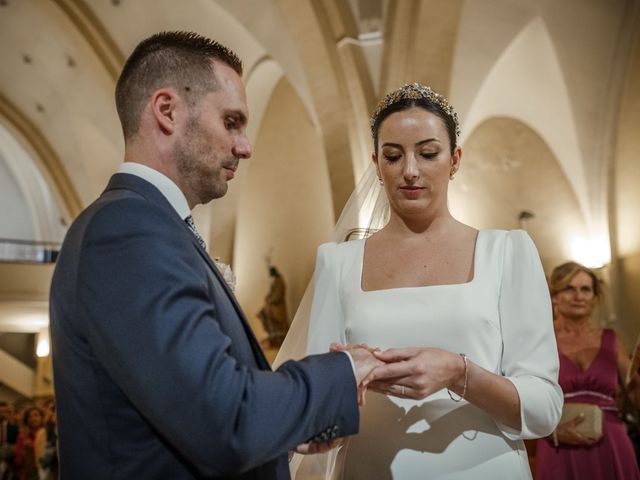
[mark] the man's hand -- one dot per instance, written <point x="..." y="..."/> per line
<point x="363" y="358"/>
<point x="318" y="447"/>
<point x="364" y="362"/>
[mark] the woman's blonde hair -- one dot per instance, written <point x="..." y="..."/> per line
<point x="563" y="274"/>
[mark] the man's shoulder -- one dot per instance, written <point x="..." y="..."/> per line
<point x="121" y="207"/>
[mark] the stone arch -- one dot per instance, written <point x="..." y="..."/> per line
<point x="284" y="211"/>
<point x="87" y="23"/>
<point x="414" y="53"/>
<point x="339" y="84"/>
<point x="46" y="159"/>
<point x="625" y="198"/>
<point x="527" y="83"/>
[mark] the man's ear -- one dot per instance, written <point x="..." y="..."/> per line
<point x="164" y="103"/>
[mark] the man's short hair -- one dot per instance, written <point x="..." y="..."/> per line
<point x="181" y="60"/>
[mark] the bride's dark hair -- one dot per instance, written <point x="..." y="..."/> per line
<point x="416" y="95"/>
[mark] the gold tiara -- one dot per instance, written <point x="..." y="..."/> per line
<point x="414" y="91"/>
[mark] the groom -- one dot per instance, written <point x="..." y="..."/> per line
<point x="157" y="373"/>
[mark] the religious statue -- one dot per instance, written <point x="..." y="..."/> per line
<point x="273" y="314"/>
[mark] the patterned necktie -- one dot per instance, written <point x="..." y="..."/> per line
<point x="194" y="230"/>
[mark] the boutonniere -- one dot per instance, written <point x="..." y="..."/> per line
<point x="226" y="272"/>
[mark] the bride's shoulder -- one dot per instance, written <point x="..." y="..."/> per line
<point x="503" y="235"/>
<point x="341" y="251"/>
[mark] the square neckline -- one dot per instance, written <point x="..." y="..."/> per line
<point x="392" y="289"/>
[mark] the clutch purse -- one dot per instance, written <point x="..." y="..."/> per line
<point x="591" y="426"/>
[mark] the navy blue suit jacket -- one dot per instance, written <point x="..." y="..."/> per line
<point x="157" y="373"/>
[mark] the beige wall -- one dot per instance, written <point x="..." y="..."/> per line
<point x="285" y="207"/>
<point x="627" y="203"/>
<point x="507" y="168"/>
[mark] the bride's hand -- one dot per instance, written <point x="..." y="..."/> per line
<point x="318" y="447"/>
<point x="415" y="372"/>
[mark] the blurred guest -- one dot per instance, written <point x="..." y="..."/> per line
<point x="8" y="438"/>
<point x="593" y="364"/>
<point x="630" y="415"/>
<point x="27" y="468"/>
<point x="46" y="445"/>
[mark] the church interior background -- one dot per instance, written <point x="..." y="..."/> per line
<point x="548" y="94"/>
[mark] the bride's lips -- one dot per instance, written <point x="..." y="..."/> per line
<point x="411" y="191"/>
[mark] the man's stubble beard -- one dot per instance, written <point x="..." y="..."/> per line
<point x="196" y="170"/>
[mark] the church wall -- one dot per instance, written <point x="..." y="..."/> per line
<point x="627" y="202"/>
<point x="506" y="169"/>
<point x="285" y="209"/>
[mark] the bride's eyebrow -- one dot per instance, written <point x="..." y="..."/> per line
<point x="418" y="144"/>
<point x="390" y="144"/>
<point x="428" y="140"/>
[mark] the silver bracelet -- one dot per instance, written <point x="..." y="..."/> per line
<point x="466" y="377"/>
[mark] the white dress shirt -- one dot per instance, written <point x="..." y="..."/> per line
<point x="167" y="187"/>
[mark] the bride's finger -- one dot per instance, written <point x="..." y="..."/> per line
<point x="383" y="384"/>
<point x="394" y="390"/>
<point x="395" y="354"/>
<point x="402" y="379"/>
<point x="390" y="371"/>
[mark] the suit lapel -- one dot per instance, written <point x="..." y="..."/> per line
<point x="151" y="193"/>
<point x="255" y="346"/>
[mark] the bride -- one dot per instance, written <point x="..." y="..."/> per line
<point x="462" y="318"/>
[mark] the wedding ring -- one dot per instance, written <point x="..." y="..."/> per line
<point x="402" y="389"/>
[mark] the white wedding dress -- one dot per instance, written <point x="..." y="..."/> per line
<point x="501" y="320"/>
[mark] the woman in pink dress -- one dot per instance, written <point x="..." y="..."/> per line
<point x="25" y="447"/>
<point x="593" y="364"/>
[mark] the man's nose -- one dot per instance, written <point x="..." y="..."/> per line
<point x="242" y="147"/>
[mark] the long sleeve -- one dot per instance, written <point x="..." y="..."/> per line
<point x="326" y="323"/>
<point x="530" y="356"/>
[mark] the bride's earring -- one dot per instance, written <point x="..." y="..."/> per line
<point x="451" y="174"/>
<point x="380" y="182"/>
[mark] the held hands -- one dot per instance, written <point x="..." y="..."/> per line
<point x="414" y="372"/>
<point x="417" y="372"/>
<point x="364" y="362"/>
